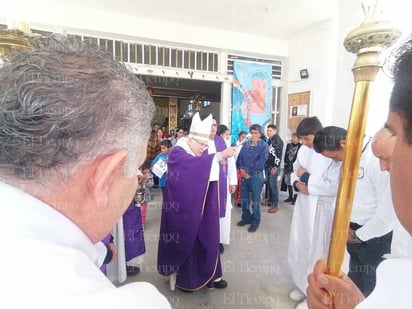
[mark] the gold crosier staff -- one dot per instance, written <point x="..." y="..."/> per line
<point x="368" y="40"/>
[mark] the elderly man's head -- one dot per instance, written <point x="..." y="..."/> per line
<point x="382" y="147"/>
<point x="73" y="121"/>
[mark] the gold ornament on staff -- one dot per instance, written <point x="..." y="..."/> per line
<point x="368" y="40"/>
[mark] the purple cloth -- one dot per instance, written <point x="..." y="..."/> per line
<point x="106" y="241"/>
<point x="133" y="232"/>
<point x="189" y="230"/>
<point x="220" y="145"/>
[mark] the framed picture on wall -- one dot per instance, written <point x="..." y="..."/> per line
<point x="298" y="111"/>
<point x="293" y="111"/>
<point x="298" y="108"/>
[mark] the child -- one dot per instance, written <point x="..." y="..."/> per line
<point x="159" y="164"/>
<point x="291" y="154"/>
<point x="145" y="179"/>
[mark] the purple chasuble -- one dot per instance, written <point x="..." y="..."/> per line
<point x="189" y="229"/>
<point x="133" y="232"/>
<point x="220" y="145"/>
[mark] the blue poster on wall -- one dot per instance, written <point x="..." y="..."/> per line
<point x="251" y="96"/>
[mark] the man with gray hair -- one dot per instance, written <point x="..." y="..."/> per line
<point x="73" y="130"/>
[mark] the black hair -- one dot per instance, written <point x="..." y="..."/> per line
<point x="166" y="143"/>
<point x="329" y="138"/>
<point x="309" y="125"/>
<point x="146" y="165"/>
<point x="272" y="126"/>
<point x="256" y="127"/>
<point x="221" y="129"/>
<point x="241" y="133"/>
<point x="401" y="97"/>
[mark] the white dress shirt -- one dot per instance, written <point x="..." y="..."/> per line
<point x="372" y="198"/>
<point x="48" y="262"/>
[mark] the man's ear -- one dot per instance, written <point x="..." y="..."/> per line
<point x="342" y="143"/>
<point x="103" y="174"/>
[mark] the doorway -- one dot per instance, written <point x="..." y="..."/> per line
<point x="189" y="96"/>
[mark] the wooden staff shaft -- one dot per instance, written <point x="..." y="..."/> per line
<point x="365" y="69"/>
<point x="349" y="175"/>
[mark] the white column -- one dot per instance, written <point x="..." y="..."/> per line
<point x="226" y="104"/>
<point x="225" y="93"/>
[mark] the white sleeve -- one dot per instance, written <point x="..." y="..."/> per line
<point x="382" y="222"/>
<point x="297" y="164"/>
<point x="231" y="171"/>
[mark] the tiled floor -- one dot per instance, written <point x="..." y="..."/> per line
<point x="254" y="264"/>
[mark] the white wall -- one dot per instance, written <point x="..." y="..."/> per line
<point x="331" y="81"/>
<point x="350" y="16"/>
<point x="314" y="50"/>
<point x="321" y="51"/>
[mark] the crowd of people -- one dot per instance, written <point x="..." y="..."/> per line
<point x="74" y="202"/>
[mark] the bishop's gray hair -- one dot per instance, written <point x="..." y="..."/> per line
<point x="65" y="103"/>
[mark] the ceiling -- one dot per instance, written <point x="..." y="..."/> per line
<point x="278" y="19"/>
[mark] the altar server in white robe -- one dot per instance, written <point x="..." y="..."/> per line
<point x="308" y="169"/>
<point x="225" y="222"/>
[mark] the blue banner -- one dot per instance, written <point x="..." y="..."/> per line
<point x="251" y="96"/>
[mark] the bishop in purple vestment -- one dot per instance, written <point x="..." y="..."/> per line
<point x="189" y="231"/>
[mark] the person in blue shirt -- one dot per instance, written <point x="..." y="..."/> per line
<point x="251" y="163"/>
